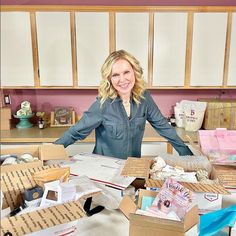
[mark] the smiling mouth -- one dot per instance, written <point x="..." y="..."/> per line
<point x="126" y="85"/>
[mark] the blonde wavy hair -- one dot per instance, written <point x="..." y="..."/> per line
<point x="106" y="90"/>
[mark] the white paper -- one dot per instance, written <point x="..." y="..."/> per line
<point x="102" y="169"/>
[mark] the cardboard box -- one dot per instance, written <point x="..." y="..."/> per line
<point x="5" y="113"/>
<point x="220" y="113"/>
<point x="43" y="152"/>
<point x="5" y="125"/>
<point x="141" y="225"/>
<point x="55" y="220"/>
<point x="208" y="196"/>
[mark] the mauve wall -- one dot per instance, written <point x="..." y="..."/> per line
<point x="46" y="100"/>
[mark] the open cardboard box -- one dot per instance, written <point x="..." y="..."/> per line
<point x="43" y="152"/>
<point x="208" y="196"/>
<point x="56" y="220"/>
<point x="141" y="225"/>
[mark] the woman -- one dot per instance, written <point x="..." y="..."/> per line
<point x="120" y="112"/>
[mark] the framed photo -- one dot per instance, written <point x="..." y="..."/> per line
<point x="62" y="116"/>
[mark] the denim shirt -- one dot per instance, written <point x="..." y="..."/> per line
<point x="116" y="134"/>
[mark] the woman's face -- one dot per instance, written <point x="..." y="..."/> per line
<point x="123" y="78"/>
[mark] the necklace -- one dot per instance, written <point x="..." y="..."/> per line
<point x="126" y="105"/>
<point x="126" y="102"/>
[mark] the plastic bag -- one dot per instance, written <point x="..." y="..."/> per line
<point x="193" y="114"/>
<point x="179" y="115"/>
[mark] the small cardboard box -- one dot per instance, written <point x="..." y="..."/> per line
<point x="55" y="220"/>
<point x="208" y="196"/>
<point x="5" y="113"/>
<point x="43" y="152"/>
<point x="141" y="225"/>
<point x="5" y="125"/>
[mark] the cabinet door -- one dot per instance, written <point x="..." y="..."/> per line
<point x="170" y="30"/>
<point x="132" y="36"/>
<point x="16" y="50"/>
<point x="208" y="49"/>
<point x="92" y="36"/>
<point x="54" y="48"/>
<point x="232" y="55"/>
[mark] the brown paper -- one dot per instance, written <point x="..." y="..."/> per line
<point x="52" y="174"/>
<point x="137" y="167"/>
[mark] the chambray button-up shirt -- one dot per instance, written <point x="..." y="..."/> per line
<point x="116" y="134"/>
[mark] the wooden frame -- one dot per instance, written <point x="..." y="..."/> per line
<point x="52" y="120"/>
<point x="112" y="10"/>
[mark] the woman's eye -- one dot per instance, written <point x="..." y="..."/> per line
<point x="115" y="76"/>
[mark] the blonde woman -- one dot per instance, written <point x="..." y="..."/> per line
<point x="120" y="112"/>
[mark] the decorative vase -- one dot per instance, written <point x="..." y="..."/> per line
<point x="24" y="121"/>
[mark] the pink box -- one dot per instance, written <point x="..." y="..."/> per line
<point x="219" y="144"/>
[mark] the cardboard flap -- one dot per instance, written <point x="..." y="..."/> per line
<point x="195" y="187"/>
<point x="10" y="168"/>
<point x="137" y="167"/>
<point x="42" y="219"/>
<point x="144" y="192"/>
<point x="191" y="218"/>
<point x="53" y="152"/>
<point x="127" y="206"/>
<point x="31" y="149"/>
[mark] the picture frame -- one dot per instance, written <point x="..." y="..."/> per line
<point x="62" y="117"/>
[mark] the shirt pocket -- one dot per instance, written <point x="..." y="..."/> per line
<point x="114" y="130"/>
<point x="140" y="123"/>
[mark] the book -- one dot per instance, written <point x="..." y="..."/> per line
<point x="173" y="199"/>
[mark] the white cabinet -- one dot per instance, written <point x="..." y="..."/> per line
<point x="132" y="36"/>
<point x="54" y="48"/>
<point x="208" y="49"/>
<point x="16" y="50"/>
<point x="92" y="42"/>
<point x="232" y="56"/>
<point x="170" y="31"/>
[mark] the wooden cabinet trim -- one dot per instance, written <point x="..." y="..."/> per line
<point x="227" y="49"/>
<point x="117" y="8"/>
<point x="189" y="40"/>
<point x="34" y="48"/>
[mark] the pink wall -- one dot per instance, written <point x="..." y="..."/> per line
<point x="123" y="3"/>
<point x="46" y="100"/>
